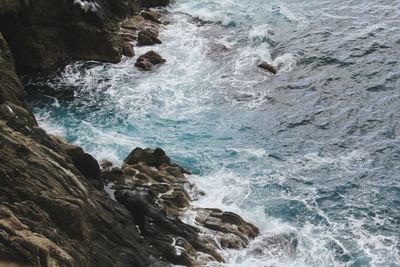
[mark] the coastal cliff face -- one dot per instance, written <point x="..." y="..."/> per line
<point x="46" y="34"/>
<point x="50" y="215"/>
<point x="54" y="210"/>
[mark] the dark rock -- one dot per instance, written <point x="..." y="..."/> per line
<point x="154" y="190"/>
<point x="153" y="57"/>
<point x="11" y="89"/>
<point x="148" y="156"/>
<point x="127" y="50"/>
<point x="83" y="161"/>
<point x="49" y="213"/>
<point x="151" y="15"/>
<point x="68" y="30"/>
<point x="268" y="67"/>
<point x="147" y="37"/>
<point x="144" y="64"/>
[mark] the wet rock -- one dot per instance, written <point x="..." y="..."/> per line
<point x="50" y="214"/>
<point x="149" y="156"/>
<point x="269" y="67"/>
<point x="157" y="193"/>
<point x="144" y="65"/>
<point x="127" y="50"/>
<point x="83" y="161"/>
<point x="149" y="60"/>
<point x="151" y="15"/>
<point x="148" y="37"/>
<point x="152" y="57"/>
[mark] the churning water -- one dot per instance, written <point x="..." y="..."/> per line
<point x="313" y="152"/>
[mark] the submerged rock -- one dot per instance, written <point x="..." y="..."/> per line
<point x="269" y="67"/>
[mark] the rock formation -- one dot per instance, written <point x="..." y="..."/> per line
<point x="157" y="193"/>
<point x="148" y="60"/>
<point x="46" y="34"/>
<point x="269" y="67"/>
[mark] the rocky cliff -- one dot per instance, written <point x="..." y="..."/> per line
<point x="54" y="210"/>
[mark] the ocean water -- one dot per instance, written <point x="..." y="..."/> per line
<point x="312" y="152"/>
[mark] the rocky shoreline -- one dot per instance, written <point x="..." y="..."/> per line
<point x="59" y="207"/>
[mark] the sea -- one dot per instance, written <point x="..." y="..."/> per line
<point x="311" y="153"/>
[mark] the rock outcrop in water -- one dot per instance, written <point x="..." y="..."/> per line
<point x="148" y="60"/>
<point x="157" y="193"/>
<point x="269" y="67"/>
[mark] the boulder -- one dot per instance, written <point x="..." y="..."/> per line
<point x="149" y="156"/>
<point x="144" y="65"/>
<point x="269" y="67"/>
<point x="11" y="89"/>
<point x="152" y="57"/>
<point x="151" y="15"/>
<point x="148" y="60"/>
<point x="147" y="37"/>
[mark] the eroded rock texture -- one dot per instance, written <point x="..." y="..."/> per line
<point x="45" y="34"/>
<point x="157" y="193"/>
<point x="50" y="214"/>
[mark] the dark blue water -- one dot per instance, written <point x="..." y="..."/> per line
<point x="313" y="151"/>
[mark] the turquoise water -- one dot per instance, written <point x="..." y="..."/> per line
<point x="313" y="151"/>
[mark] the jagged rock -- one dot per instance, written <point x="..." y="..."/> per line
<point x="149" y="156"/>
<point x="147" y="37"/>
<point x="157" y="192"/>
<point x="269" y="67"/>
<point x="83" y="161"/>
<point x="17" y="117"/>
<point x="49" y="213"/>
<point x="148" y="60"/>
<point x="152" y="57"/>
<point x="151" y="15"/>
